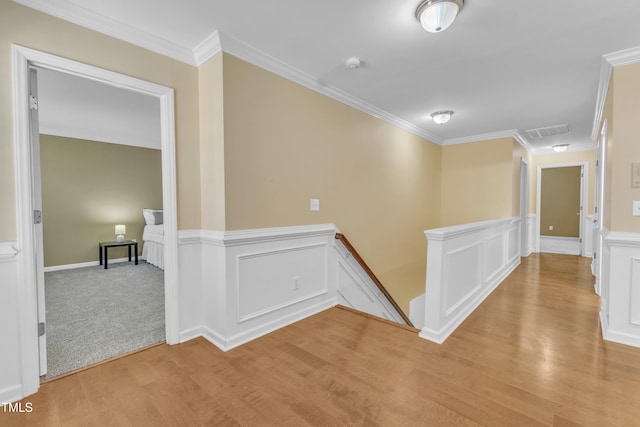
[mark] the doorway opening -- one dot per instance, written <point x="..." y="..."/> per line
<point x="561" y="200"/>
<point x="32" y="302"/>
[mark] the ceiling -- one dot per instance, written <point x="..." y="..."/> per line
<point x="503" y="67"/>
<point x="76" y="107"/>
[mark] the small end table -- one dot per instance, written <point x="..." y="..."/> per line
<point x="104" y="246"/>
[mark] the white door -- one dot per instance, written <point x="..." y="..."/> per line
<point x="598" y="207"/>
<point x="37" y="217"/>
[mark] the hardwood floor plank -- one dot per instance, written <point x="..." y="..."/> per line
<point x="531" y="354"/>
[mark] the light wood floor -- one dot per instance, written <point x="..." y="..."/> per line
<point x="532" y="354"/>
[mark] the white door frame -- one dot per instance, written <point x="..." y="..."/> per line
<point x="23" y="58"/>
<point x="524" y="207"/>
<point x="584" y="199"/>
<point x="598" y="213"/>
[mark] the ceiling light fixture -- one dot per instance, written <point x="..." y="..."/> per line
<point x="560" y="148"/>
<point x="441" y="117"/>
<point x="438" y="15"/>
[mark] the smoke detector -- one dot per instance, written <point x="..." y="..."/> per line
<point x="353" y="63"/>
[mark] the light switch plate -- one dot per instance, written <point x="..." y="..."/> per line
<point x="636" y="208"/>
<point x="314" y="205"/>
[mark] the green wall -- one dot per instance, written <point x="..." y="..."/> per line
<point x="87" y="188"/>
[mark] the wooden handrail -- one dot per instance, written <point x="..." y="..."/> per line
<point x="372" y="276"/>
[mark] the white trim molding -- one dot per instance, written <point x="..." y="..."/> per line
<point x="27" y="299"/>
<point x="465" y="263"/>
<point x="620" y="288"/>
<point x="8" y="251"/>
<point x="607" y="64"/>
<point x="218" y="41"/>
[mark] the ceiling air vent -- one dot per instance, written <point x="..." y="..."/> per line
<point x="548" y="131"/>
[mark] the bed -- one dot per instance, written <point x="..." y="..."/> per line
<point x="153" y="237"/>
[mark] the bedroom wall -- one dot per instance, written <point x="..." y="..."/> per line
<point x="285" y="144"/>
<point x="87" y="188"/>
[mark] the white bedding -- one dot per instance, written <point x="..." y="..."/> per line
<point x="153" y="247"/>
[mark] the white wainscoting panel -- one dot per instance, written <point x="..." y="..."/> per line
<point x="620" y="288"/>
<point x="257" y="281"/>
<point x="11" y="384"/>
<point x="190" y="268"/>
<point x="465" y="264"/>
<point x="468" y="280"/>
<point x="281" y="277"/>
<point x="238" y="285"/>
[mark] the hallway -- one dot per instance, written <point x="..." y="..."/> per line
<point x="531" y="354"/>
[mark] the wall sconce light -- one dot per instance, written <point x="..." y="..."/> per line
<point x="121" y="230"/>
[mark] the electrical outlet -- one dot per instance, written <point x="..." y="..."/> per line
<point x="636" y="208"/>
<point x="551" y="228"/>
<point x="314" y="205"/>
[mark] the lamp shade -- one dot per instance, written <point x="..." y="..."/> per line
<point x="121" y="229"/>
<point x="438" y="15"/>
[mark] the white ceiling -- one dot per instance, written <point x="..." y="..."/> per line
<point x="503" y="66"/>
<point x="81" y="108"/>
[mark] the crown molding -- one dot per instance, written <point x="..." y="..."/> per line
<point x="481" y="137"/>
<point x="207" y="49"/>
<point x="218" y="42"/>
<point x="607" y="64"/>
<point x="105" y="25"/>
<point x="260" y="59"/>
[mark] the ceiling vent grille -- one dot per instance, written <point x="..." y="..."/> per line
<point x="548" y="131"/>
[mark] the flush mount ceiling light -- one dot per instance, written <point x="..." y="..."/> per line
<point x="560" y="148"/>
<point x="441" y="117"/>
<point x="438" y="15"/>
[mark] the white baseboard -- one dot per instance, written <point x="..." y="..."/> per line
<point x="191" y="333"/>
<point x="11" y="394"/>
<point x="560" y="245"/>
<point x="86" y="264"/>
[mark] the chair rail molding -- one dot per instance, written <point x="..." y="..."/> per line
<point x="465" y="263"/>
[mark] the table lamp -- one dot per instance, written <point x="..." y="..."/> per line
<point x="121" y="230"/>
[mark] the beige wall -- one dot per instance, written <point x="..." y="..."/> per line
<point x="566" y="158"/>
<point x="519" y="153"/>
<point x="212" y="180"/>
<point x="26" y="27"/>
<point x="477" y="181"/>
<point x="286" y="144"/>
<point x="608" y="116"/>
<point x="625" y="149"/>
<point x="560" y="201"/>
<point x="87" y="188"/>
